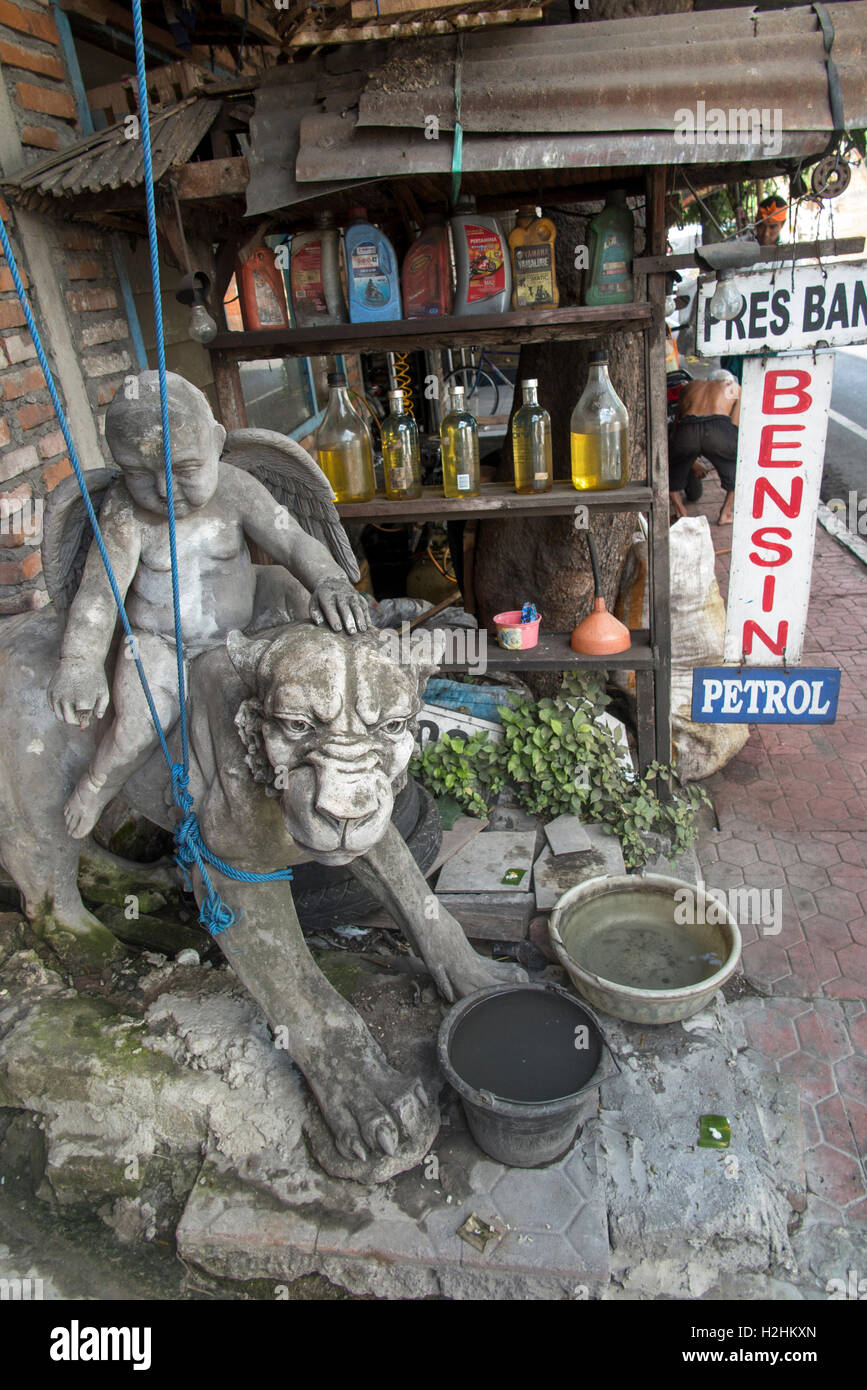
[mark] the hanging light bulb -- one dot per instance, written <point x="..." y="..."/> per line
<point x="202" y="327"/>
<point x="727" y="301"/>
<point x="193" y="290"/>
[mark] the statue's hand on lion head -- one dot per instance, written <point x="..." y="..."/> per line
<point x="329" y="727"/>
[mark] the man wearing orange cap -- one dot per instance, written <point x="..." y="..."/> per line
<point x="773" y="212"/>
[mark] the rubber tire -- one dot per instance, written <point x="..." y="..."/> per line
<point x="331" y="897"/>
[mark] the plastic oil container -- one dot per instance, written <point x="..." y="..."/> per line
<point x="261" y="292"/>
<point x="483" y="263"/>
<point x="534" y="276"/>
<point x="612" y="239"/>
<point x="426" y="278"/>
<point x="315" y="291"/>
<point x="371" y="270"/>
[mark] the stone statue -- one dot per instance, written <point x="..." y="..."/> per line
<point x="300" y="737"/>
<point x="218" y="508"/>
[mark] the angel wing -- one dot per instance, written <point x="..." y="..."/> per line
<point x="67" y="535"/>
<point x="297" y="482"/>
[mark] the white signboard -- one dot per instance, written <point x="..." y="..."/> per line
<point x="781" y="451"/>
<point x="784" y="308"/>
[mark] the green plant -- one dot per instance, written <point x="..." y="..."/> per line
<point x="561" y="758"/>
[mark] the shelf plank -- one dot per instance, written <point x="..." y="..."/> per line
<point x="553" y="653"/>
<point x="406" y="335"/>
<point x="498" y="498"/>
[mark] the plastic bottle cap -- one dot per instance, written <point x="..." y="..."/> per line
<point x="597" y="357"/>
<point x="336" y="379"/>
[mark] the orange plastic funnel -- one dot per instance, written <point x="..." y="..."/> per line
<point x="600" y="634"/>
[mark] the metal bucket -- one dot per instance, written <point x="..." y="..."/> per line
<point x="520" y="1057"/>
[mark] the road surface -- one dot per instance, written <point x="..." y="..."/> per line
<point x="845" y="475"/>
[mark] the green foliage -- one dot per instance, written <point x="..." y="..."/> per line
<point x="559" y="759"/>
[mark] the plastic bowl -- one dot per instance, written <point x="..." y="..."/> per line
<point x="513" y="634"/>
<point x="589" y="926"/>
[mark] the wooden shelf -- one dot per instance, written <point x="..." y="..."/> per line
<point x="553" y="653"/>
<point x="408" y="335"/>
<point x="498" y="498"/>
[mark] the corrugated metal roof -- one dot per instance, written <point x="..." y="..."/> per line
<point x="109" y="160"/>
<point x="554" y="98"/>
<point x="628" y="74"/>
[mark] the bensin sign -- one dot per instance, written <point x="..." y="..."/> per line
<point x="781" y="450"/>
<point x="765" y="695"/>
<point x="789" y="309"/>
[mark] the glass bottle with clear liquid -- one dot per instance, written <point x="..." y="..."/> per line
<point x="600" y="432"/>
<point x="531" y="443"/>
<point x="400" y="451"/>
<point x="343" y="446"/>
<point x="459" y="438"/>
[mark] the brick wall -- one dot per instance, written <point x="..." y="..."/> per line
<point x="33" y="456"/>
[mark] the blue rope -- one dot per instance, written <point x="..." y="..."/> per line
<point x="190" y="848"/>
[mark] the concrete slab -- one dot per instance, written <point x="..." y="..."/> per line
<point x="464" y="830"/>
<point x="554" y="874"/>
<point x="567" y="834"/>
<point x="497" y="861"/>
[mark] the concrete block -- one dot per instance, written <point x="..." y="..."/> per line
<point x="487" y="864"/>
<point x="567" y="835"/>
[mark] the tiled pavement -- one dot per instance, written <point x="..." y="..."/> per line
<point x="792" y="809"/>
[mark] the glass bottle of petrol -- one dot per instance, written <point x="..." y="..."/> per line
<point x="400" y="452"/>
<point x="459" y="437"/>
<point x="600" y="432"/>
<point x="531" y="443"/>
<point x="343" y="446"/>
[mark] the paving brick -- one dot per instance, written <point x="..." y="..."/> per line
<point x="839" y="903"/>
<point x="853" y="962"/>
<point x="835" y="1176"/>
<point x="834" y="1124"/>
<point x="815" y="1077"/>
<point x="818" y="853"/>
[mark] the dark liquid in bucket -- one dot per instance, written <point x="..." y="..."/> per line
<point x="521" y="1046"/>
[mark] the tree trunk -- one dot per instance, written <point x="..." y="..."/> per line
<point x="546" y="560"/>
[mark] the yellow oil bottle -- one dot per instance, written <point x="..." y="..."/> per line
<point x="599" y="431"/>
<point x="343" y="446"/>
<point x="459" y="441"/>
<point x="534" y="275"/>
<point x="531" y="443"/>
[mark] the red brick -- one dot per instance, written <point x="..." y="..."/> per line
<point x="43" y="137"/>
<point x="4" y="433"/>
<point x="6" y="277"/>
<point x="84" y="270"/>
<point x="11" y="314"/>
<point x="106" y="392"/>
<point x="31" y="415"/>
<point x="45" y="100"/>
<point x="5" y="211"/>
<point x="112" y="331"/>
<point x="12" y="55"/>
<point x="88" y="301"/>
<point x="51" y="444"/>
<point x="38" y="26"/>
<point x="18" y="347"/>
<point x="10" y="501"/>
<point x="19" y="383"/>
<point x="16" y="571"/>
<point x="26" y="601"/>
<point x="81" y="239"/>
<point x="17" y="461"/>
<point x="56" y="473"/>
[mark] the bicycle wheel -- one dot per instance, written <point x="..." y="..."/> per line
<point x="482" y="391"/>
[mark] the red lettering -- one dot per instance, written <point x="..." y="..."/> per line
<point x="768" y="593"/>
<point x="773" y="390"/>
<point x="784" y="551"/>
<point x="765" y="489"/>
<point x="752" y="629"/>
<point x="767" y="445"/>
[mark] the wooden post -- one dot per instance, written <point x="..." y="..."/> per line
<point x="230" y="397"/>
<point x="657" y="464"/>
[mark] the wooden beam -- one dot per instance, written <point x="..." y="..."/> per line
<point x="795" y="250"/>
<point x="212" y="178"/>
<point x="310" y="36"/>
<point x="119" y="17"/>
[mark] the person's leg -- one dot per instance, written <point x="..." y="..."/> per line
<point x="131" y="738"/>
<point x="721" y="437"/>
<point x="682" y="453"/>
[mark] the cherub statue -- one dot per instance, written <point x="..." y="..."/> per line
<point x="219" y="507"/>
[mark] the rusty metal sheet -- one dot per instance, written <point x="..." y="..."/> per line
<point x="630" y="74"/>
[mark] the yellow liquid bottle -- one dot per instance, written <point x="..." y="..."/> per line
<point x="400" y="452"/>
<point x="599" y="432"/>
<point x="459" y="440"/>
<point x="531" y="443"/>
<point x="343" y="446"/>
